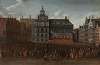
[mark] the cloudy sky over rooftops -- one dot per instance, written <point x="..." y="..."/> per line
<point x="77" y="10"/>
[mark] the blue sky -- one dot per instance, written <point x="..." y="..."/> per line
<point x="76" y="10"/>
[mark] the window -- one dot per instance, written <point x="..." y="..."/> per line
<point x="37" y="39"/>
<point x="41" y="29"/>
<point x="47" y="23"/>
<point x="38" y="30"/>
<point x="42" y="40"/>
<point x="34" y="30"/>
<point x="37" y="34"/>
<point x="46" y="35"/>
<point x="42" y="23"/>
<point x="44" y="30"/>
<point x="46" y="39"/>
<point x="58" y="23"/>
<point x="41" y="35"/>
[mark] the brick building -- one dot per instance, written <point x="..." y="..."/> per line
<point x="62" y="39"/>
<point x="25" y="29"/>
<point x="12" y="29"/>
<point x="3" y="22"/>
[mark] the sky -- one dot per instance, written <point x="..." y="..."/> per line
<point x="76" y="10"/>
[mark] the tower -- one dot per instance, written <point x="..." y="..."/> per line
<point x="42" y="16"/>
<point x="41" y="28"/>
<point x="42" y="11"/>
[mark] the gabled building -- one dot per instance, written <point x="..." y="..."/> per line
<point x="89" y="33"/>
<point x="12" y="29"/>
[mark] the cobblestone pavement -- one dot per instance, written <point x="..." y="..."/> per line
<point x="28" y="61"/>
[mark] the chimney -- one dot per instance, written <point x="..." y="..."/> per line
<point x="66" y="18"/>
<point x="21" y="17"/>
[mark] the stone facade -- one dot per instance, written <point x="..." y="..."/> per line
<point x="82" y="35"/>
<point x="40" y="28"/>
<point x="60" y="26"/>
<point x="43" y="28"/>
<point x="89" y="32"/>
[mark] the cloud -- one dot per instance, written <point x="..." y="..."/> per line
<point x="3" y="11"/>
<point x="19" y="2"/>
<point x="1" y="14"/>
<point x="24" y="8"/>
<point x="76" y="9"/>
<point x="95" y="14"/>
<point x="56" y="14"/>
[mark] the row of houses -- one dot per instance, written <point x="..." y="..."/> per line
<point x="13" y="30"/>
<point x="39" y="30"/>
<point x="89" y="32"/>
